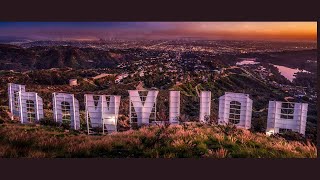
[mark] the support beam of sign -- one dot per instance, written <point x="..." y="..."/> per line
<point x="234" y="108"/>
<point x="66" y="109"/>
<point x="142" y="107"/>
<point x="103" y="111"/>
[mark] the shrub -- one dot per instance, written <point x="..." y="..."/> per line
<point x="48" y="122"/>
<point x="192" y="140"/>
<point x="292" y="136"/>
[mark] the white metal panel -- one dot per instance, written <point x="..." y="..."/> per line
<point x="303" y="122"/>
<point x="241" y="116"/>
<point x="174" y="107"/>
<point x="272" y="113"/>
<point x="13" y="93"/>
<point x="102" y="112"/>
<point x="141" y="107"/>
<point x="58" y="99"/>
<point x="93" y="109"/>
<point x="276" y="122"/>
<point x="205" y="105"/>
<point x="30" y="114"/>
<point x="112" y="112"/>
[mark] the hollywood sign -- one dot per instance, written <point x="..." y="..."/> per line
<point x="103" y="110"/>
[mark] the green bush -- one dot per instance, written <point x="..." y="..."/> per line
<point x="48" y="122"/>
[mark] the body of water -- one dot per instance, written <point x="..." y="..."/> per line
<point x="287" y="72"/>
<point x="246" y="61"/>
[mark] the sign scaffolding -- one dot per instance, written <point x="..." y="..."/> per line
<point x="286" y="116"/>
<point x="142" y="107"/>
<point x="235" y="108"/>
<point x="13" y="94"/>
<point x="66" y="110"/>
<point x="102" y="113"/>
<point x="27" y="106"/>
<point x="205" y="106"/>
<point x="174" y="107"/>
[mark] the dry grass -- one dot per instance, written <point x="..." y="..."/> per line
<point x="192" y="140"/>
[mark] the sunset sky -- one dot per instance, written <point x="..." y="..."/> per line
<point x="282" y="31"/>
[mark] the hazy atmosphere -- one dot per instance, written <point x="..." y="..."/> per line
<point x="284" y="31"/>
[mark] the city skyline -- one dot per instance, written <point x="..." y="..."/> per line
<point x="269" y="31"/>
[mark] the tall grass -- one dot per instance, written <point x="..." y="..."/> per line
<point x="180" y="141"/>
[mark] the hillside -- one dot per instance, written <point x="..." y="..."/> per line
<point x="181" y="141"/>
<point x="191" y="72"/>
<point x="191" y="139"/>
<point x="46" y="57"/>
<point x="45" y="82"/>
<point x="18" y="58"/>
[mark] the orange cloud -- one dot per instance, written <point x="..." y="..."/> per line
<point x="253" y="30"/>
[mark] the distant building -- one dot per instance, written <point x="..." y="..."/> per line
<point x="141" y="73"/>
<point x="222" y="70"/>
<point x="120" y="77"/>
<point x="216" y="71"/>
<point x="188" y="78"/>
<point x="73" y="82"/>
